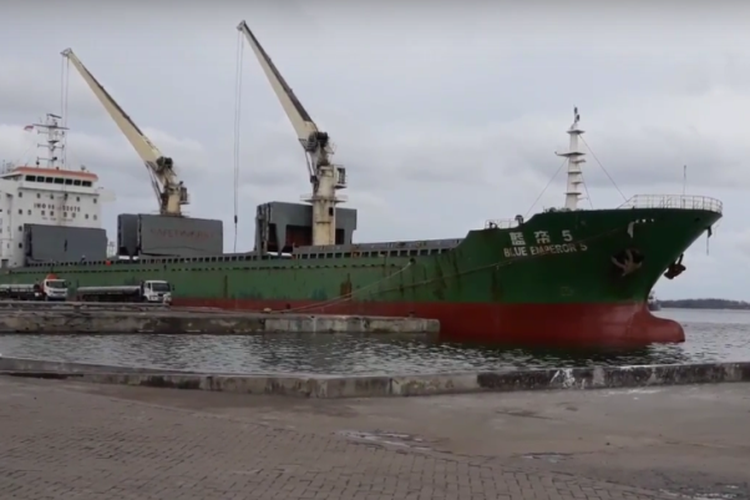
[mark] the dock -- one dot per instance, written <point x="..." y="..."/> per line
<point x="113" y="318"/>
<point x="66" y="440"/>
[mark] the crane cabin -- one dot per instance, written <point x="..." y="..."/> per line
<point x="48" y="212"/>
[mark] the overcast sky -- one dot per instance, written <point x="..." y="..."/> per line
<point x="444" y="116"/>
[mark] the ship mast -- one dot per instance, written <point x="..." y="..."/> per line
<point x="575" y="159"/>
<point x="325" y="177"/>
<point x="55" y="133"/>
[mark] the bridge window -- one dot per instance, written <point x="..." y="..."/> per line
<point x="76" y="182"/>
<point x="48" y="180"/>
<point x="86" y="183"/>
<point x="59" y="180"/>
<point x="68" y="182"/>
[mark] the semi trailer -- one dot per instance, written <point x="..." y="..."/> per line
<point x="49" y="289"/>
<point x="150" y="291"/>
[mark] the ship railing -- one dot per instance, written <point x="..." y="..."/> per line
<point x="678" y="201"/>
<point x="502" y="223"/>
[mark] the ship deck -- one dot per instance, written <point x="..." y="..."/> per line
<point x="411" y="248"/>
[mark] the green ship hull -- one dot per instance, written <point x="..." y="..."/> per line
<point x="565" y="278"/>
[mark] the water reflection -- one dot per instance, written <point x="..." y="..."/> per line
<point x="709" y="339"/>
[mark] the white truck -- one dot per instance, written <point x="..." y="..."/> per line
<point x="151" y="291"/>
<point x="49" y="289"/>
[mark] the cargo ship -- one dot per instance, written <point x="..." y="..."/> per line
<point x="566" y="276"/>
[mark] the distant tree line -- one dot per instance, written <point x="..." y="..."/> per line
<point x="705" y="304"/>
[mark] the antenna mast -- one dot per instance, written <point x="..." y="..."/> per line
<point x="575" y="159"/>
<point x="55" y="132"/>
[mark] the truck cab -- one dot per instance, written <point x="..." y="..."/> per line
<point x="54" y="289"/>
<point x="156" y="291"/>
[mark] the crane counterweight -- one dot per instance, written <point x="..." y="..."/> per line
<point x="170" y="192"/>
<point x="325" y="177"/>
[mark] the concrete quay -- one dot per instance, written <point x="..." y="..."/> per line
<point x="65" y="440"/>
<point x="33" y="305"/>
<point x="69" y="319"/>
<point x="335" y="387"/>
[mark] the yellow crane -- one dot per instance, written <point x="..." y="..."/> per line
<point x="170" y="191"/>
<point x="325" y="177"/>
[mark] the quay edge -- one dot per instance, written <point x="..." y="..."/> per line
<point x="332" y="387"/>
<point x="88" y="322"/>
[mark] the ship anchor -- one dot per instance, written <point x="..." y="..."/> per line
<point x="675" y="269"/>
<point x="628" y="261"/>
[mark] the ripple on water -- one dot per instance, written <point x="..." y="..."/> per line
<point x="709" y="339"/>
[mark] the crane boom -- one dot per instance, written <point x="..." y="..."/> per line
<point x="170" y="191"/>
<point x="325" y="177"/>
<point x="303" y="124"/>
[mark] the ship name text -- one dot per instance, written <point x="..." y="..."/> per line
<point x="188" y="234"/>
<point x="543" y="246"/>
<point x="51" y="206"/>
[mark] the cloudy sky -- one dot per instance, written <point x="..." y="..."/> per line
<point x="444" y="116"/>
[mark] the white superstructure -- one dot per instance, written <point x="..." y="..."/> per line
<point x="46" y="193"/>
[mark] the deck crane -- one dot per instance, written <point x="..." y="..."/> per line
<point x="169" y="190"/>
<point x="325" y="177"/>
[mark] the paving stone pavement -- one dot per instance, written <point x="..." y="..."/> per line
<point x="63" y="444"/>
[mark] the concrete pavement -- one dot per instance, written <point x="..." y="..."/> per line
<point x="66" y="440"/>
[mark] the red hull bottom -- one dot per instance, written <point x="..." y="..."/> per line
<point x="534" y="325"/>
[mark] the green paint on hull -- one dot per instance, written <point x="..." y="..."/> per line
<point x="572" y="264"/>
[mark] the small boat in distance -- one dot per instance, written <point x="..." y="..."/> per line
<point x="653" y="303"/>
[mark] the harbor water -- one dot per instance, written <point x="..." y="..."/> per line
<point x="711" y="336"/>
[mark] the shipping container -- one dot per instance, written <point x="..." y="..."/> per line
<point x="159" y="235"/>
<point x="46" y="243"/>
<point x="282" y="227"/>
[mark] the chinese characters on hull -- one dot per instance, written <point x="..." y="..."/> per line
<point x="543" y="244"/>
